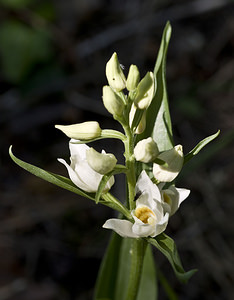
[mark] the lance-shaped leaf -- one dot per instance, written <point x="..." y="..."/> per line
<point x="199" y="146"/>
<point x="56" y="179"/>
<point x="67" y="184"/>
<point x="168" y="247"/>
<point x="158" y="121"/>
<point x="107" y="276"/>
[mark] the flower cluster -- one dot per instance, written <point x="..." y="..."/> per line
<point x="150" y="204"/>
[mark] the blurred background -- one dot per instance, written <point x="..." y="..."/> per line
<point x="52" y="69"/>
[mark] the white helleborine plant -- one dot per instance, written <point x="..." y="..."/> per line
<point x="148" y="205"/>
<point x="80" y="172"/>
<point x="150" y="218"/>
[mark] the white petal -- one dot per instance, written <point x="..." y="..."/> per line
<point x="183" y="194"/>
<point x="88" y="175"/>
<point x="78" y="149"/>
<point x="144" y="183"/>
<point x="173" y="194"/>
<point x="161" y="226"/>
<point x="164" y="175"/>
<point x="74" y="177"/>
<point x="143" y="230"/>
<point x="122" y="227"/>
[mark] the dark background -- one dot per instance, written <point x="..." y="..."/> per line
<point x="53" y="56"/>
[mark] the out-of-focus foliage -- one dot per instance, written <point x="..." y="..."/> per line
<point x="15" y="3"/>
<point x="21" y="49"/>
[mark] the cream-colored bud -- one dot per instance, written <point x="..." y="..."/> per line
<point x="145" y="91"/>
<point x="146" y="150"/>
<point x="174" y="159"/>
<point x="142" y="124"/>
<point x="112" y="102"/>
<point x="114" y="74"/>
<point x="81" y="131"/>
<point x="102" y="163"/>
<point x="133" y="78"/>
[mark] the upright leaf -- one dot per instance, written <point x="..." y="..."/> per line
<point x="158" y="121"/>
<point x="113" y="276"/>
<point x="148" y="286"/>
<point x="107" y="276"/>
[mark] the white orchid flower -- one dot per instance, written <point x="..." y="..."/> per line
<point x="173" y="197"/>
<point x="149" y="216"/>
<point x="81" y="174"/>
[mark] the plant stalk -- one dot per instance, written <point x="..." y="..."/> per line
<point x="137" y="257"/>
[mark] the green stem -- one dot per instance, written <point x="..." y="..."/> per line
<point x="130" y="164"/>
<point x="114" y="134"/>
<point x="137" y="256"/>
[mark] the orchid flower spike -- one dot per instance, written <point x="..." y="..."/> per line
<point x="81" y="174"/>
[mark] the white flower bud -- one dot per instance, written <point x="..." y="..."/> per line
<point x="174" y="159"/>
<point x="112" y="102"/>
<point x="100" y="162"/>
<point x="114" y="74"/>
<point x="141" y="126"/>
<point x="146" y="150"/>
<point x="145" y="91"/>
<point x="81" y="131"/>
<point x="133" y="78"/>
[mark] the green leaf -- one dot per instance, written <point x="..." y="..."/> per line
<point x="107" y="276"/>
<point x="148" y="286"/>
<point x="158" y="121"/>
<point x="58" y="180"/>
<point x="112" y="281"/>
<point x="148" y="283"/>
<point x="168" y="247"/>
<point x="199" y="146"/>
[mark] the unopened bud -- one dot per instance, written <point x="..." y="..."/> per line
<point x="174" y="159"/>
<point x="102" y="163"/>
<point x="81" y="131"/>
<point x="146" y="150"/>
<point x="145" y="91"/>
<point x="114" y="74"/>
<point x="133" y="78"/>
<point x="112" y="102"/>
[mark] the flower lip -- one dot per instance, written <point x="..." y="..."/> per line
<point x="145" y="214"/>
